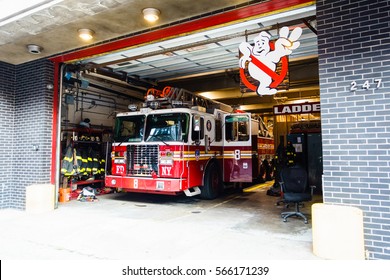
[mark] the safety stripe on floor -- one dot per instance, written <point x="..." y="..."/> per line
<point x="259" y="186"/>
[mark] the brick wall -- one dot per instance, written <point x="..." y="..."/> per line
<point x="7" y="100"/>
<point x="28" y="107"/>
<point x="354" y="46"/>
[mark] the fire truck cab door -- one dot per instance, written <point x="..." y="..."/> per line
<point x="197" y="134"/>
<point x="237" y="148"/>
<point x="202" y="147"/>
<point x="196" y="147"/>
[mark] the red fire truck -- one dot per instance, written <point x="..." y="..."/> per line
<point x="179" y="142"/>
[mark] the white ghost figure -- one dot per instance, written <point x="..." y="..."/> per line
<point x="262" y="52"/>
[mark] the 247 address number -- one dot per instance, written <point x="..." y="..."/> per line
<point x="366" y="85"/>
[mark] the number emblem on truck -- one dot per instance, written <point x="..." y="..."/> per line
<point x="237" y="154"/>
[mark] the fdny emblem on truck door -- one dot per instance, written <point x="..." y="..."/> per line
<point x="197" y="155"/>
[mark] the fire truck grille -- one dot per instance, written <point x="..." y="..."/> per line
<point x="142" y="160"/>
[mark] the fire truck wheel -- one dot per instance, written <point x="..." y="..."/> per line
<point x="212" y="182"/>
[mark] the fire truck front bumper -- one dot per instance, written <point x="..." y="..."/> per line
<point x="146" y="185"/>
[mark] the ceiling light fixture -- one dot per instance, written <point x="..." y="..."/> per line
<point x="86" y="34"/>
<point x="34" y="49"/>
<point x="151" y="14"/>
<point x="16" y="10"/>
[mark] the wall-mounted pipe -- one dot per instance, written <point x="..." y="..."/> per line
<point x="98" y="100"/>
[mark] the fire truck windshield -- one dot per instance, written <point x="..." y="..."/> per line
<point x="129" y="128"/>
<point x="167" y="127"/>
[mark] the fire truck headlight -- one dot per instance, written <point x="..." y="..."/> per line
<point x="166" y="161"/>
<point x="132" y="107"/>
<point x="113" y="182"/>
<point x="177" y="103"/>
<point x="119" y="161"/>
<point x="154" y="105"/>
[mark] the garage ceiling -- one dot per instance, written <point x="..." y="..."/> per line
<point x="200" y="62"/>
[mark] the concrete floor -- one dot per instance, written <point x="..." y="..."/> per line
<point x="145" y="227"/>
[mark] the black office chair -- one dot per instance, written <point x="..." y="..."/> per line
<point x="294" y="190"/>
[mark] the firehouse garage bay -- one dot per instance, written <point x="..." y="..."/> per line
<point x="69" y="102"/>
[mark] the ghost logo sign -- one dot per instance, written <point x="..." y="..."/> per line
<point x="262" y="58"/>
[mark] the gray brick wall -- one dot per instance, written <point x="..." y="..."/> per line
<point x="25" y="123"/>
<point x="354" y="45"/>
<point x="7" y="107"/>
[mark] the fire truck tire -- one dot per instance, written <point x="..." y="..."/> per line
<point x="212" y="182"/>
